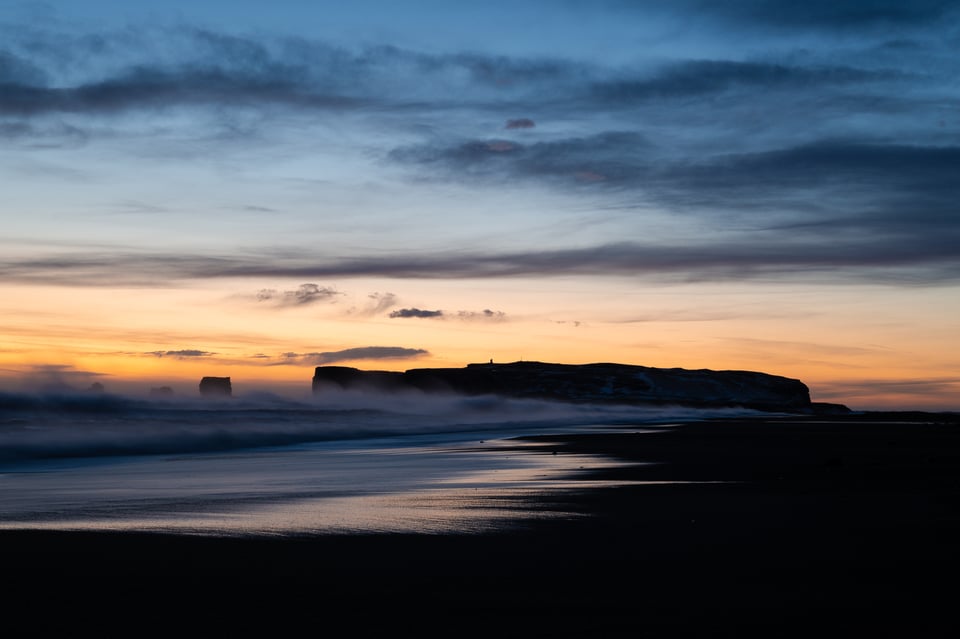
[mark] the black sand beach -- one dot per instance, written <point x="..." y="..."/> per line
<point x="786" y="526"/>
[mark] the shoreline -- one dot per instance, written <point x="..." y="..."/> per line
<point x="767" y="524"/>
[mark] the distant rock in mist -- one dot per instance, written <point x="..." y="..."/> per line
<point x="216" y="387"/>
<point x="96" y="387"/>
<point x="589" y="383"/>
<point x="163" y="391"/>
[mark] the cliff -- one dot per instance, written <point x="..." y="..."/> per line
<point x="588" y="383"/>
<point x="216" y="386"/>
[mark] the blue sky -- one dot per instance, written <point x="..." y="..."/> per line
<point x="595" y="149"/>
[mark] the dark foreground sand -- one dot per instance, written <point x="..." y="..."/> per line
<point x="839" y="526"/>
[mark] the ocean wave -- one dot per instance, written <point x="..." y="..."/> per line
<point x="72" y="425"/>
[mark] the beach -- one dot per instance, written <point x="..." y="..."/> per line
<point x="776" y="526"/>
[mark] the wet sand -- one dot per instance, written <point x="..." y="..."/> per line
<point x="764" y="527"/>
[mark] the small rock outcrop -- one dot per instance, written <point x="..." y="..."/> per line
<point x="216" y="387"/>
<point x="588" y="383"/>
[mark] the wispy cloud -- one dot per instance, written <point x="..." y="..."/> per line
<point x="922" y="393"/>
<point x="187" y="353"/>
<point x="415" y="312"/>
<point x="700" y="78"/>
<point x="617" y="156"/>
<point x="303" y="295"/>
<point x="484" y="315"/>
<point x="376" y="304"/>
<point x="520" y="123"/>
<point x="112" y="72"/>
<point x="878" y="258"/>
<point x="350" y="354"/>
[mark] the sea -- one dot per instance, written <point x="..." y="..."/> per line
<point x="264" y="464"/>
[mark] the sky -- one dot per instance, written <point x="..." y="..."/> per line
<point x="252" y="189"/>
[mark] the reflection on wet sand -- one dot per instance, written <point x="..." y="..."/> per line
<point x="311" y="489"/>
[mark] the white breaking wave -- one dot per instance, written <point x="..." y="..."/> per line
<point x="45" y="426"/>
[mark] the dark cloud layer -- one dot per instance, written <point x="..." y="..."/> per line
<point x="829" y="15"/>
<point x="693" y="78"/>
<point x="898" y="199"/>
<point x="849" y="257"/>
<point x="149" y="88"/>
<point x="615" y="157"/>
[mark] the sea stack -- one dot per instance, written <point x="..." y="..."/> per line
<point x="216" y="387"/>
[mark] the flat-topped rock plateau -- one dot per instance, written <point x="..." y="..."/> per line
<point x="589" y="383"/>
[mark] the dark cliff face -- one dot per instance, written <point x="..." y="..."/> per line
<point x="593" y="383"/>
<point x="216" y="387"/>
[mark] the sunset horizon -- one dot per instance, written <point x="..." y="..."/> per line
<point x="235" y="190"/>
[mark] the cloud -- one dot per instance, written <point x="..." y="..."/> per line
<point x="15" y="69"/>
<point x="520" y="123"/>
<point x="378" y="303"/>
<point x="114" y="72"/>
<point x="382" y="301"/>
<point x="415" y="312"/>
<point x="154" y="88"/>
<point x="617" y="156"/>
<point x="352" y="354"/>
<point x="895" y="197"/>
<point x="680" y="106"/>
<point x="484" y="315"/>
<point x="786" y="160"/>
<point x="305" y="294"/>
<point x="253" y="208"/>
<point x="695" y="78"/>
<point x="878" y="255"/>
<point x="827" y="15"/>
<point x="924" y="394"/>
<point x="182" y="354"/>
<point x="627" y="160"/>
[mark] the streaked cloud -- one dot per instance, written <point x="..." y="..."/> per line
<point x="187" y="353"/>
<point x="415" y="312"/>
<point x="303" y="295"/>
<point x="376" y="304"/>
<point x="350" y="354"/>
<point x="520" y="123"/>
<point x="937" y="393"/>
<point x="824" y="15"/>
<point x="484" y="315"/>
<point x="881" y="258"/>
